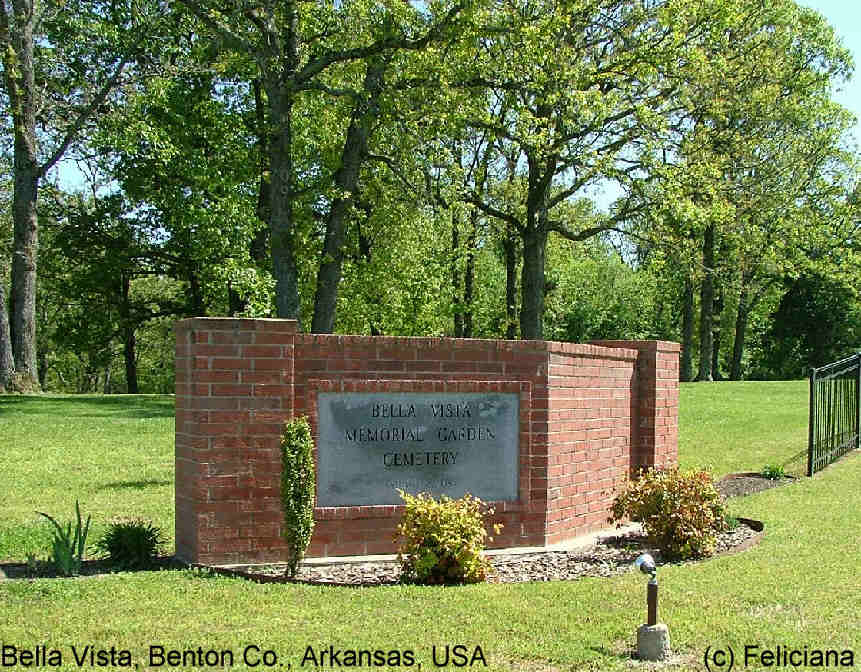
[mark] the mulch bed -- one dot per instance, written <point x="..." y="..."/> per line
<point x="747" y="483"/>
<point x="611" y="555"/>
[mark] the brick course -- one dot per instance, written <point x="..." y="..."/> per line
<point x="589" y="415"/>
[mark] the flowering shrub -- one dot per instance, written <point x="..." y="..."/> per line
<point x="443" y="540"/>
<point x="681" y="511"/>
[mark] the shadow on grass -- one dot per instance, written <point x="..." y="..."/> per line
<point x="45" y="570"/>
<point x="134" y="485"/>
<point x="628" y="655"/>
<point x="90" y="406"/>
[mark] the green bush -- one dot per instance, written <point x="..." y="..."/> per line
<point x="443" y="540"/>
<point x="297" y="489"/>
<point x="681" y="511"/>
<point x="131" y="544"/>
<point x="67" y="548"/>
<point x="773" y="472"/>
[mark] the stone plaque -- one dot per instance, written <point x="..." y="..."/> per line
<point x="372" y="444"/>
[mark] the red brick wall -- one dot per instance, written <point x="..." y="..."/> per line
<point x="588" y="414"/>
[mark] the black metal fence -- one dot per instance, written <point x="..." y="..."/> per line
<point x="834" y="412"/>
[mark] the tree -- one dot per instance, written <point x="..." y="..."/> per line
<point x="753" y="133"/>
<point x="7" y="363"/>
<point x="569" y="117"/>
<point x="182" y="151"/>
<point x="61" y="63"/>
<point x="294" y="46"/>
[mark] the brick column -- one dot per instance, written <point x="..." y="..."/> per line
<point x="234" y="390"/>
<point x="655" y="431"/>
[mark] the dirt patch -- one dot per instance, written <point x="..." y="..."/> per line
<point x="747" y="483"/>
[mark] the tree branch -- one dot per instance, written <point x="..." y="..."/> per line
<point x="235" y="40"/>
<point x="83" y="116"/>
<point x="315" y="67"/>
<point x="487" y="209"/>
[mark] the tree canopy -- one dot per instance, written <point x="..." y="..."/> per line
<point x="566" y="169"/>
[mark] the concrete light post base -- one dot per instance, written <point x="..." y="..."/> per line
<point x="653" y="642"/>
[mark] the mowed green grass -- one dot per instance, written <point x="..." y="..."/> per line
<point x="112" y="453"/>
<point x="742" y="426"/>
<point x="799" y="588"/>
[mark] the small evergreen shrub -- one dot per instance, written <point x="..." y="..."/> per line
<point x="773" y="472"/>
<point x="298" y="483"/>
<point x="443" y="540"/>
<point x="681" y="511"/>
<point x="131" y="544"/>
<point x="68" y="547"/>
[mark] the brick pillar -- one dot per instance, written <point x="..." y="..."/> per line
<point x="656" y="429"/>
<point x="234" y="390"/>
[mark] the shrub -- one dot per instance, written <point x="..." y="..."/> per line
<point x="67" y="549"/>
<point x="443" y="540"/>
<point x="297" y="489"/>
<point x="131" y="544"/>
<point x="681" y="511"/>
<point x="773" y="472"/>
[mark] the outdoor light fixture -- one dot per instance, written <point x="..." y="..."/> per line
<point x="646" y="564"/>
<point x="653" y="638"/>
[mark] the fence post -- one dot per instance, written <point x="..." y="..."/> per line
<point x="858" y="403"/>
<point x="810" y="432"/>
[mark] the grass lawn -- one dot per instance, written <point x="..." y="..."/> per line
<point x="113" y="453"/>
<point x="799" y="588"/>
<point x="742" y="426"/>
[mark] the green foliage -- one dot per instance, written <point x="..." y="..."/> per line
<point x="67" y="548"/>
<point x="297" y="489"/>
<point x="818" y="321"/>
<point x="598" y="296"/>
<point x="681" y="511"/>
<point x="443" y="539"/>
<point x="773" y="472"/>
<point x="131" y="543"/>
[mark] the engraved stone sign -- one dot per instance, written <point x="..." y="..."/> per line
<point x="372" y="444"/>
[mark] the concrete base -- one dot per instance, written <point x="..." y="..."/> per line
<point x="653" y="642"/>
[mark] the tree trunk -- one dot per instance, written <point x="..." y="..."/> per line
<point x="455" y="278"/>
<point x="740" y="330"/>
<point x="235" y="303"/>
<point x="282" y="219"/>
<point x="42" y="368"/>
<point x="129" y="342"/>
<point x="532" y="283"/>
<point x="197" y="306"/>
<point x="6" y="360"/>
<point x="263" y="167"/>
<point x="687" y="364"/>
<point x="346" y="180"/>
<point x="19" y="75"/>
<point x="707" y="305"/>
<point x="23" y="290"/>
<point x="510" y="246"/>
<point x="372" y="295"/>
<point x="716" y="335"/>
<point x="469" y="277"/>
<point x="130" y="356"/>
